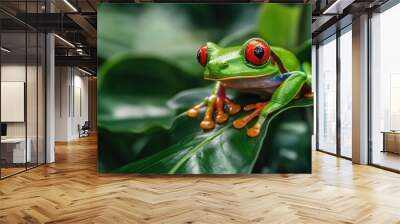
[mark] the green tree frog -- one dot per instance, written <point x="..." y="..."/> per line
<point x="257" y="68"/>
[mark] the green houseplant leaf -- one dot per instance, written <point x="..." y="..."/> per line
<point x="224" y="150"/>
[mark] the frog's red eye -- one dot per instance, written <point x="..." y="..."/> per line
<point x="202" y="55"/>
<point x="257" y="52"/>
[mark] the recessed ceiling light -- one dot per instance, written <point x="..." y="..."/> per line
<point x="64" y="40"/>
<point x="70" y="5"/>
<point x="337" y="7"/>
<point x="5" y="50"/>
<point x="84" y="71"/>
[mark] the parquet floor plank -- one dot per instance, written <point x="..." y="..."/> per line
<point x="70" y="191"/>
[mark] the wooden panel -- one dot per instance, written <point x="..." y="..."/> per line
<point x="392" y="142"/>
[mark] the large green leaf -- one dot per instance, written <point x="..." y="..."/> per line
<point x="133" y="115"/>
<point x="239" y="37"/>
<point x="133" y="92"/>
<point x="119" y="148"/>
<point x="126" y="29"/>
<point x="287" y="149"/>
<point x="224" y="150"/>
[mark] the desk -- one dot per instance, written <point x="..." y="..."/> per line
<point x="15" y="148"/>
<point x="391" y="141"/>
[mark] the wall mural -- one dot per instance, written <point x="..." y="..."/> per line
<point x="204" y="88"/>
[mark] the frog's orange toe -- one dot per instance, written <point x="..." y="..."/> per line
<point x="221" y="117"/>
<point x="249" y="107"/>
<point x="253" y="106"/>
<point x="254" y="131"/>
<point x="243" y="121"/>
<point x="234" y="109"/>
<point x="192" y="113"/>
<point x="207" y="124"/>
<point x="239" y="123"/>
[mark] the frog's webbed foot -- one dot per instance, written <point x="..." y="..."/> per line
<point x="243" y="121"/>
<point x="233" y="108"/>
<point x="215" y="106"/>
<point x="194" y="111"/>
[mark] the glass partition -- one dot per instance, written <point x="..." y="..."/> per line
<point x="22" y="107"/>
<point x="327" y="95"/>
<point x="14" y="151"/>
<point x="32" y="86"/>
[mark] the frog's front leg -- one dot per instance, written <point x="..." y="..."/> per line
<point x="285" y="93"/>
<point x="215" y="103"/>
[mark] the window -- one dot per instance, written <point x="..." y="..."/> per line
<point x="385" y="89"/>
<point x="327" y="95"/>
<point x="346" y="92"/>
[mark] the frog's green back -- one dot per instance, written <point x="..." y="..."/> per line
<point x="288" y="59"/>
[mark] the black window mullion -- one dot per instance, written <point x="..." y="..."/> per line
<point x="316" y="97"/>
<point x="0" y="97"/>
<point x="26" y="87"/>
<point x="37" y="90"/>
<point x="338" y="74"/>
<point x="369" y="100"/>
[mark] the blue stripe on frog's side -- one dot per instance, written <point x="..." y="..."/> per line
<point x="281" y="77"/>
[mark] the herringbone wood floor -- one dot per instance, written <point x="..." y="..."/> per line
<point x="70" y="191"/>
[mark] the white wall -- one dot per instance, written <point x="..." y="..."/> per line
<point x="16" y="73"/>
<point x="33" y="126"/>
<point x="62" y="81"/>
<point x="11" y="73"/>
<point x="13" y="101"/>
<point x="71" y="102"/>
<point x="80" y="109"/>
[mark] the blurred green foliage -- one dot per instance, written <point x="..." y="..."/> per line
<point x="147" y="63"/>
<point x="227" y="150"/>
